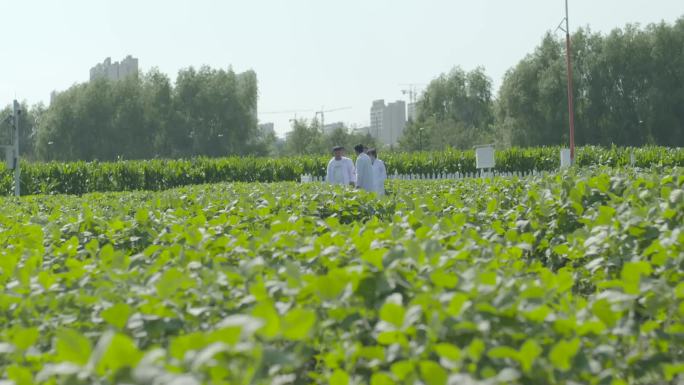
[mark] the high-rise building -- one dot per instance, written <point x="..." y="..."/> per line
<point x="115" y="71"/>
<point x="377" y="114"/>
<point x="394" y="122"/>
<point x="128" y="67"/>
<point x="388" y="121"/>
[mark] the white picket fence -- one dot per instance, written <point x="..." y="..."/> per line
<point x="308" y="178"/>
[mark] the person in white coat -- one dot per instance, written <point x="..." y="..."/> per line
<point x="379" y="172"/>
<point x="364" y="169"/>
<point x="340" y="169"/>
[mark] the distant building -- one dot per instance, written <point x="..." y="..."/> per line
<point x="267" y="129"/>
<point x="128" y="67"/>
<point x="362" y="130"/>
<point x="115" y="71"/>
<point x="377" y="114"/>
<point x="394" y="122"/>
<point x="388" y="121"/>
<point x="328" y="128"/>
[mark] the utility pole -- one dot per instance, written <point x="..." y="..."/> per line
<point x="11" y="149"/>
<point x="420" y="139"/>
<point x="17" y="171"/>
<point x="322" y="113"/>
<point x="571" y="104"/>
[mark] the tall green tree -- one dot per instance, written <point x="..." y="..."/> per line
<point x="208" y="112"/>
<point x="218" y="110"/>
<point x="629" y="89"/>
<point x="305" y="138"/>
<point x="531" y="99"/>
<point x="160" y="116"/>
<point x="28" y="125"/>
<point x="455" y="110"/>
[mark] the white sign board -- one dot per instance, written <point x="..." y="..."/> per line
<point x="484" y="157"/>
<point x="565" y="158"/>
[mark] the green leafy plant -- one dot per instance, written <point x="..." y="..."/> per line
<point x="573" y="276"/>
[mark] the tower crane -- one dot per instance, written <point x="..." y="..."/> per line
<point x="285" y="112"/>
<point x="412" y="91"/>
<point x="295" y="112"/>
<point x="323" y="111"/>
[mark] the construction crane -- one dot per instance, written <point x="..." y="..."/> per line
<point x="295" y="112"/>
<point x="285" y="112"/>
<point x="322" y="113"/>
<point x="411" y="90"/>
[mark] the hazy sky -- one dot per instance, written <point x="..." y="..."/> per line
<point x="307" y="54"/>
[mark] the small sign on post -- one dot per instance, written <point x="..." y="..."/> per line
<point x="484" y="156"/>
<point x="565" y="160"/>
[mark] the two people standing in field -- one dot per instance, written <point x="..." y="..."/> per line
<point x="368" y="174"/>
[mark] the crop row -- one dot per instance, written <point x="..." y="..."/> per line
<point x="154" y="175"/>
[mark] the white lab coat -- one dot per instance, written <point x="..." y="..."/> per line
<point x="341" y="171"/>
<point x="379" y="176"/>
<point x="364" y="172"/>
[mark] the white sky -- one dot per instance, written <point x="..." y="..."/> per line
<point x="307" y="54"/>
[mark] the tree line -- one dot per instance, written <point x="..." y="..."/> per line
<point x="308" y="138"/>
<point x="209" y="112"/>
<point x="628" y="84"/>
<point x="628" y="91"/>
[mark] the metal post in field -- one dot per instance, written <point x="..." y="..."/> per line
<point x="571" y="107"/>
<point x="17" y="171"/>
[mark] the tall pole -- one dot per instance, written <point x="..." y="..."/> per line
<point x="420" y="138"/>
<point x="17" y="171"/>
<point x="571" y="107"/>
